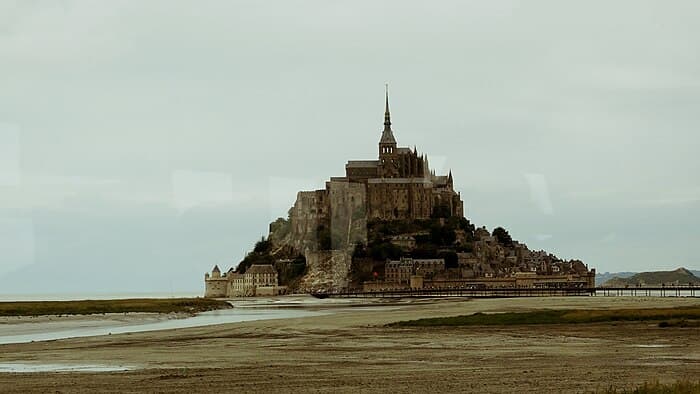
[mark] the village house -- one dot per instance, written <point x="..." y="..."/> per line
<point x="258" y="280"/>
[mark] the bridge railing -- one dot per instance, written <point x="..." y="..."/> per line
<point x="471" y="292"/>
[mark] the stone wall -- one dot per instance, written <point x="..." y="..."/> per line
<point x="215" y="287"/>
<point x="310" y="210"/>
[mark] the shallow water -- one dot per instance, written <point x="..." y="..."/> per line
<point x="73" y="329"/>
<point x="651" y="346"/>
<point x="28" y="368"/>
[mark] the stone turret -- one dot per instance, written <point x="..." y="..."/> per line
<point x="215" y="285"/>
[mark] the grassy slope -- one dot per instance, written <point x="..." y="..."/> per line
<point x="87" y="307"/>
<point x="559" y="317"/>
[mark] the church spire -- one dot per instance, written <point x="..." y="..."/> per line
<point x="387" y="135"/>
<point x="387" y="115"/>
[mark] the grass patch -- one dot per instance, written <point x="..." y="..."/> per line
<point x="89" y="307"/>
<point x="683" y="323"/>
<point x="565" y="316"/>
<point x="680" y="387"/>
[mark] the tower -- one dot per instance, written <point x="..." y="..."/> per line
<point x="387" y="144"/>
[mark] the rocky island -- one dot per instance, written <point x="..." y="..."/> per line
<point x="389" y="223"/>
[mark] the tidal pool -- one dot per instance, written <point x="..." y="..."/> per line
<point x="29" y="368"/>
<point x="45" y="331"/>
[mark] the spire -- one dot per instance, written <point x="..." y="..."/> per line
<point x="387" y="134"/>
<point x="387" y="115"/>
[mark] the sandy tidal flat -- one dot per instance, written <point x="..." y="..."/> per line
<point x="350" y="350"/>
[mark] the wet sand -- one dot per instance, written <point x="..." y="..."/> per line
<point x="350" y="350"/>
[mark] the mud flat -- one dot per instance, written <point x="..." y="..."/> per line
<point x="351" y="350"/>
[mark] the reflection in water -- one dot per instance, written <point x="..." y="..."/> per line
<point x="234" y="315"/>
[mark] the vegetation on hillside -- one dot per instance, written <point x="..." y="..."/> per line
<point x="502" y="236"/>
<point x="435" y="238"/>
<point x="261" y="254"/>
<point x="88" y="307"/>
<point x="441" y="236"/>
<point x="567" y="316"/>
<point x="289" y="268"/>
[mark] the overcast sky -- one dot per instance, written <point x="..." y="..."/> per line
<point x="143" y="142"/>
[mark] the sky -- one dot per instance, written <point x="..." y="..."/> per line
<point x="143" y="142"/>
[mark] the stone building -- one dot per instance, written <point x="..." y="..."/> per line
<point x="401" y="271"/>
<point x="215" y="285"/>
<point x="399" y="184"/>
<point x="405" y="242"/>
<point x="258" y="280"/>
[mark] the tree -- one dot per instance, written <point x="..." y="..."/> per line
<point x="263" y="246"/>
<point x="502" y="236"/>
<point x="385" y="250"/>
<point x="442" y="235"/>
<point x="451" y="259"/>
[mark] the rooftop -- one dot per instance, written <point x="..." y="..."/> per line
<point x="400" y="180"/>
<point x="362" y="164"/>
<point x="261" y="269"/>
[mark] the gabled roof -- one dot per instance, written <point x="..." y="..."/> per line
<point x="261" y="269"/>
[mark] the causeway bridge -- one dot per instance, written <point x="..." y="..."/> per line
<point x="505" y="292"/>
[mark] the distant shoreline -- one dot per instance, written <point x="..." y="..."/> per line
<point x="94" y="296"/>
<point x="129" y="305"/>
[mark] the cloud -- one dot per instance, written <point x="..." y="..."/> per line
<point x="17" y="243"/>
<point x="129" y="113"/>
<point x="610" y="237"/>
<point x="196" y="188"/>
<point x="539" y="192"/>
<point x="9" y="155"/>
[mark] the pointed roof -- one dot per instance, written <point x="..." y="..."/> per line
<point x="216" y="268"/>
<point x="387" y="134"/>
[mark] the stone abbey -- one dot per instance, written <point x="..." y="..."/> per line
<point x="398" y="185"/>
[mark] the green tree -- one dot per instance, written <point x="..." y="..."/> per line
<point x="502" y="236"/>
<point x="263" y="246"/>
<point x="451" y="259"/>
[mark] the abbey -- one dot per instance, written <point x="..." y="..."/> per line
<point x="398" y="185"/>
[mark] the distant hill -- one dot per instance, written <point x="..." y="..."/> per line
<point x="679" y="276"/>
<point x="604" y="277"/>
